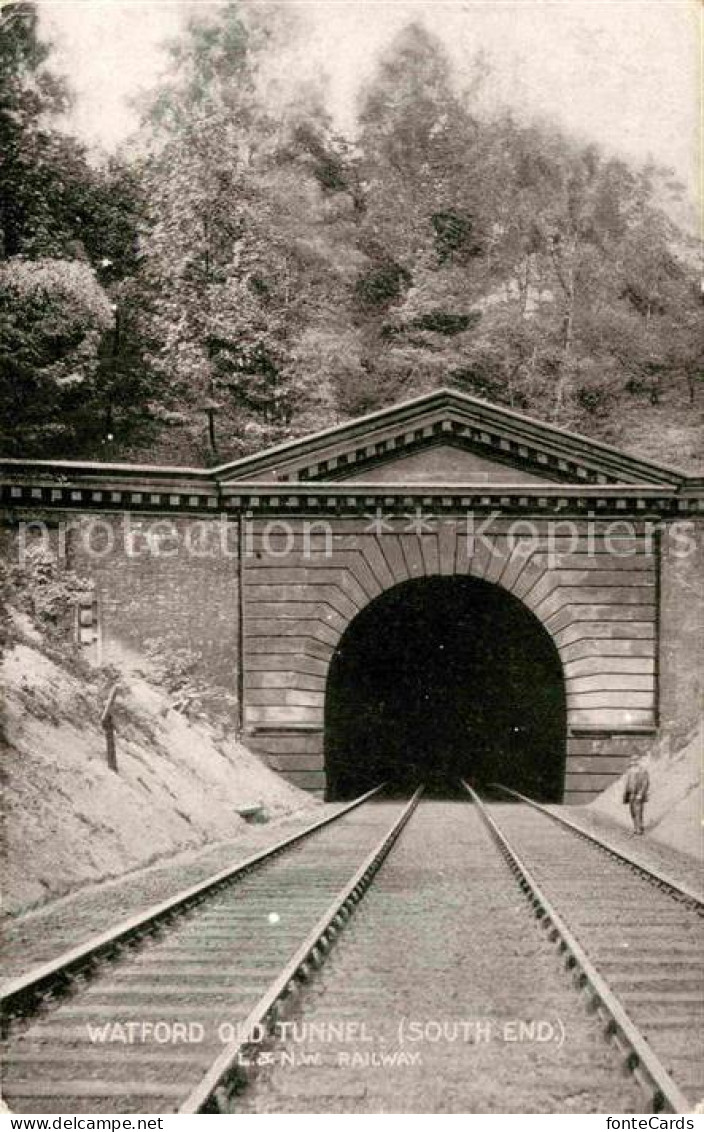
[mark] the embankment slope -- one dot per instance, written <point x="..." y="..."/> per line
<point x="69" y="820"/>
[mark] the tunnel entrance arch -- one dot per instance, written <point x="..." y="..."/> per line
<point x="273" y="557"/>
<point x="443" y="677"/>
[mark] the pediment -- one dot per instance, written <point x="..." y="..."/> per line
<point x="441" y="463"/>
<point x="445" y="437"/>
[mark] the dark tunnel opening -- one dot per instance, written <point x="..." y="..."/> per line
<point x="444" y="678"/>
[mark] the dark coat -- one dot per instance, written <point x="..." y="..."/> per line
<point x="637" y="785"/>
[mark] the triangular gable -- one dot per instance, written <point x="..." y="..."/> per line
<point x="446" y="436"/>
<point x="446" y="463"/>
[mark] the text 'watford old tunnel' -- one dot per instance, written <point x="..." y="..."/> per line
<point x="443" y="678"/>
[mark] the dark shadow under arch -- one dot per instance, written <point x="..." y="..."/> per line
<point x="443" y="677"/>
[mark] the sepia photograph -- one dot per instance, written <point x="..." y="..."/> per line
<point x="351" y="561"/>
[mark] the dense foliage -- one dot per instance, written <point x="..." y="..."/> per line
<point x="71" y="372"/>
<point x="247" y="275"/>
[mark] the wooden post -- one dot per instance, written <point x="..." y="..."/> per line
<point x="241" y="674"/>
<point x="108" y="724"/>
<point x="98" y="631"/>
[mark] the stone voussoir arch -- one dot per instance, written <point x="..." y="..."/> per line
<point x="602" y="631"/>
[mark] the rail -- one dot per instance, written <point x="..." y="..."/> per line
<point x="22" y="996"/>
<point x="226" y="1075"/>
<point x="661" y="880"/>
<point x="639" y="1056"/>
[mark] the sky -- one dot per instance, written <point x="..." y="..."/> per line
<point x="625" y="73"/>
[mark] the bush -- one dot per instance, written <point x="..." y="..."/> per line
<point x="174" y="667"/>
<point x="383" y="285"/>
<point x="444" y="322"/>
<point x="46" y="590"/>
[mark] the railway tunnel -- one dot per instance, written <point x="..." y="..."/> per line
<point x="442" y="678"/>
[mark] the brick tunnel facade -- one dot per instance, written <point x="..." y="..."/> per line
<point x="564" y="580"/>
<point x="266" y="626"/>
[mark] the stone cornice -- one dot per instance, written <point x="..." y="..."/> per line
<point x="180" y="495"/>
<point x="315" y="475"/>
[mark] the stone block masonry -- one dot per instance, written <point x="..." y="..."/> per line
<point x="220" y="563"/>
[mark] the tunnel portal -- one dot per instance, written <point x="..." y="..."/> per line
<point x="440" y="678"/>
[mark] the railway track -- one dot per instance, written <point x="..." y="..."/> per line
<point x="632" y="935"/>
<point x="658" y="878"/>
<point x="440" y="943"/>
<point x="459" y="991"/>
<point x="132" y="1020"/>
<point x="22" y="995"/>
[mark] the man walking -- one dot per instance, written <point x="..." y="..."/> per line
<point x="635" y="792"/>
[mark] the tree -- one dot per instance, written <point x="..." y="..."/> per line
<point x="230" y="280"/>
<point x="43" y="172"/>
<point x="510" y="261"/>
<point x="297" y="277"/>
<point x="249" y="274"/>
<point x="73" y="377"/>
<point x="52" y="315"/>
